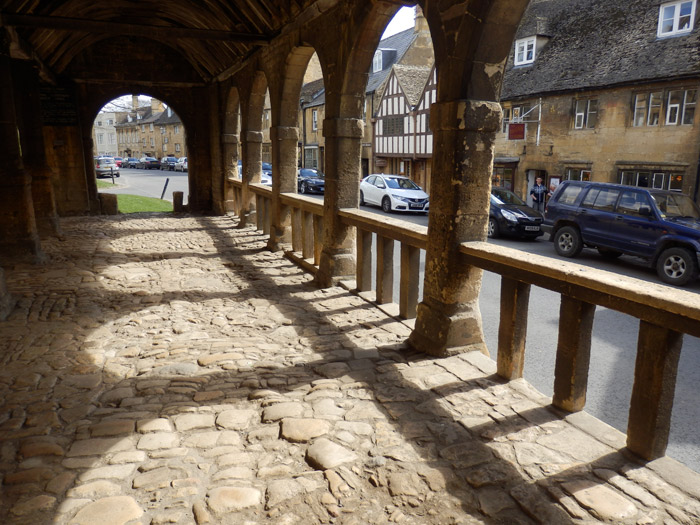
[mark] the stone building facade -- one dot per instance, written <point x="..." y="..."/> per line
<point x="152" y="131"/>
<point x="631" y="121"/>
<point x="104" y="134"/>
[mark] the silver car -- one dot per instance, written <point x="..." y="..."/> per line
<point x="105" y="167"/>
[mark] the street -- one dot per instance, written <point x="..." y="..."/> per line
<point x="149" y="183"/>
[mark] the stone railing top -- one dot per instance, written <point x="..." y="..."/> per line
<point x="303" y="202"/>
<point x="413" y="234"/>
<point x="656" y="303"/>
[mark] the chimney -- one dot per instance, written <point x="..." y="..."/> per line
<point x="134" y="102"/>
<point x="421" y="23"/>
<point x="156" y="105"/>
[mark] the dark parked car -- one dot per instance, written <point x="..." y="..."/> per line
<point x="660" y="226"/>
<point x="130" y="162"/>
<point x="509" y="215"/>
<point x="310" y="181"/>
<point x="148" y="163"/>
<point x="168" y="163"/>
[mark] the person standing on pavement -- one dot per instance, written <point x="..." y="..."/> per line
<point x="539" y="194"/>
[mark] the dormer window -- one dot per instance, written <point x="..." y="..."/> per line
<point x="676" y="18"/>
<point x="525" y="51"/>
<point x="377" y="61"/>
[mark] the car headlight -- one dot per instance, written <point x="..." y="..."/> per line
<point x="399" y="198"/>
<point x="509" y="216"/>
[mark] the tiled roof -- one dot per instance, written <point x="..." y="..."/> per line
<point x="164" y="118"/>
<point x="412" y="80"/>
<point x="598" y="43"/>
<point x="313" y="93"/>
<point x="400" y="42"/>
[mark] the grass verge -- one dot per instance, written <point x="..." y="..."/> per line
<point x="136" y="203"/>
<point x="102" y="184"/>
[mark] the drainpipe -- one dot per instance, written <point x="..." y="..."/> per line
<point x="303" y="132"/>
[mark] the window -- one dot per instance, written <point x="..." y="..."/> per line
<point x="153" y="142"/>
<point x="502" y="178"/>
<point x="647" y="109"/>
<point x="680" y="108"/>
<point x="162" y="130"/>
<point x="100" y="138"/>
<point x="631" y="202"/>
<point x="377" y="61"/>
<point x="110" y="122"/>
<point x="177" y="129"/>
<point x="165" y="140"/>
<point x="662" y="180"/>
<point x="570" y="194"/>
<point x="524" y="51"/>
<point x="601" y="199"/>
<point x="112" y="138"/>
<point x="392" y="126"/>
<point x="514" y="114"/>
<point x="143" y="127"/>
<point x="577" y="174"/>
<point x="586" y="114"/>
<point x="165" y="147"/>
<point x="150" y="127"/>
<point x="676" y="18"/>
<point x="99" y="123"/>
<point x="314" y="119"/>
<point x="177" y="148"/>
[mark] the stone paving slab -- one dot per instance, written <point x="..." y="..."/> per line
<point x="166" y="369"/>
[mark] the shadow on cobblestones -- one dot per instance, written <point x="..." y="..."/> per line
<point x="142" y="381"/>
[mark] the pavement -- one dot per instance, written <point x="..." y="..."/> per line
<point x="169" y="369"/>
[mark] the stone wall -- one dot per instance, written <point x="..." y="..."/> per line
<point x="6" y="301"/>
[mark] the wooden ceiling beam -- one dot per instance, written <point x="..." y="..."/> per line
<point x="128" y="29"/>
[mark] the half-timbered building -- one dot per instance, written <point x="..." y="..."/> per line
<point x="395" y="142"/>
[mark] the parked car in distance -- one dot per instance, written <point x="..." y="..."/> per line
<point x="660" y="226"/>
<point x="509" y="215"/>
<point x="168" y="163"/>
<point x="392" y="193"/>
<point x="105" y="167"/>
<point x="130" y="162"/>
<point x="181" y="164"/>
<point x="310" y="181"/>
<point x="148" y="163"/>
<point x="119" y="161"/>
<point x="265" y="178"/>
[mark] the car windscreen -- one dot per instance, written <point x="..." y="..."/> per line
<point x="310" y="173"/>
<point x="403" y="184"/>
<point x="506" y="197"/>
<point x="673" y="205"/>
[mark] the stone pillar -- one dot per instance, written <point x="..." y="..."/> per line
<point x="6" y="301"/>
<point x="252" y="171"/>
<point x="36" y="166"/>
<point x="229" y="143"/>
<point x="448" y="319"/>
<point x="343" y="173"/>
<point x="285" y="141"/>
<point x="18" y="232"/>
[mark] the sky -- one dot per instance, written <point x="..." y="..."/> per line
<point x="403" y="19"/>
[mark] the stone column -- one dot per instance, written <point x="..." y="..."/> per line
<point x="252" y="171"/>
<point x="448" y="319"/>
<point x="30" y="122"/>
<point x="343" y="173"/>
<point x="284" y="168"/>
<point x="6" y="301"/>
<point x="18" y="231"/>
<point x="229" y="143"/>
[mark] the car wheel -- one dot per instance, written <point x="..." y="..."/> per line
<point x="677" y="266"/>
<point x="567" y="241"/>
<point x="303" y="188"/>
<point x="362" y="199"/>
<point x="493" y="228"/>
<point x="607" y="253"/>
<point x="386" y="205"/>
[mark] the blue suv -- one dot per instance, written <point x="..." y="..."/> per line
<point x="662" y="227"/>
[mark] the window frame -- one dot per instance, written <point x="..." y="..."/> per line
<point x="377" y="62"/>
<point x="676" y="19"/>
<point x="583" y="116"/>
<point x="314" y="120"/>
<point x="522" y="45"/>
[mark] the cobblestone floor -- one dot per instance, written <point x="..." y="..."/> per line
<point x="171" y="370"/>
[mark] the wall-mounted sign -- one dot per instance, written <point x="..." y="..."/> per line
<point x="58" y="107"/>
<point x="516" y="131"/>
